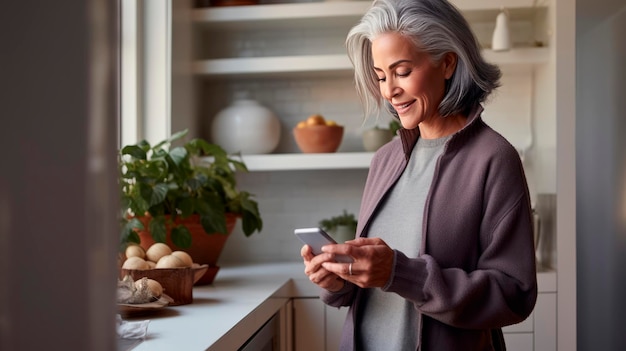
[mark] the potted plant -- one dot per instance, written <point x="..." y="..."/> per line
<point x="394" y="126"/>
<point x="341" y="227"/>
<point x="173" y="194"/>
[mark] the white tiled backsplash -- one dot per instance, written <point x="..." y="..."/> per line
<point x="288" y="200"/>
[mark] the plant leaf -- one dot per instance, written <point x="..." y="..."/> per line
<point x="158" y="230"/>
<point x="186" y="207"/>
<point x="129" y="231"/>
<point x="178" y="155"/>
<point x="214" y="222"/>
<point x="159" y="192"/>
<point x="134" y="151"/>
<point x="181" y="236"/>
<point x="239" y="166"/>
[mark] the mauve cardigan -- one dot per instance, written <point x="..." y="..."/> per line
<point x="476" y="269"/>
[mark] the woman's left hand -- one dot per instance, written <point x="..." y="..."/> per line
<point x="373" y="261"/>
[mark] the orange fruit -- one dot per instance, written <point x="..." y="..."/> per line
<point x="315" y="120"/>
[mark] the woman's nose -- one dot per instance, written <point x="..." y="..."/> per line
<point x="390" y="89"/>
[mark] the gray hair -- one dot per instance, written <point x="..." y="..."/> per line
<point x="435" y="26"/>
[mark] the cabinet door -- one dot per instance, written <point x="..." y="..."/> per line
<point x="308" y="316"/>
<point x="334" y="325"/>
<point x="286" y="327"/>
<point x="545" y="322"/>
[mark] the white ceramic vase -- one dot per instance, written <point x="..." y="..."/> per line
<point x="501" y="39"/>
<point x="247" y="127"/>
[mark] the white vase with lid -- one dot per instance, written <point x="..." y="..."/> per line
<point x="246" y="126"/>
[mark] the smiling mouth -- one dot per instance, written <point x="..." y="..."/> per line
<point x="403" y="107"/>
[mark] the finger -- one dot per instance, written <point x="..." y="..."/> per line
<point x="366" y="241"/>
<point x="338" y="249"/>
<point x="341" y="269"/>
<point x="315" y="263"/>
<point x="306" y="252"/>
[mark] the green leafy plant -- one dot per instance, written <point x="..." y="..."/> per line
<point x="345" y="219"/>
<point x="394" y="125"/>
<point x="165" y="183"/>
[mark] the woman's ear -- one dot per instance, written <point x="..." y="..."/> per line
<point x="449" y="64"/>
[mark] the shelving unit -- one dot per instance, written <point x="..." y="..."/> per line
<point x="231" y="65"/>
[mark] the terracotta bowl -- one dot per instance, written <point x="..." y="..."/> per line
<point x="318" y="139"/>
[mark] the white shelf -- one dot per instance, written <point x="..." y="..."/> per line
<point x="272" y="65"/>
<point x="254" y="66"/>
<point x="299" y="14"/>
<point x="297" y="161"/>
<point x="281" y="15"/>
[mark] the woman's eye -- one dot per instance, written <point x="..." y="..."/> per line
<point x="381" y="79"/>
<point x="403" y="74"/>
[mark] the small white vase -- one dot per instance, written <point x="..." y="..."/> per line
<point x="501" y="39"/>
<point x="247" y="127"/>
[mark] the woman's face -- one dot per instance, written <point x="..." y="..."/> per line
<point x="409" y="80"/>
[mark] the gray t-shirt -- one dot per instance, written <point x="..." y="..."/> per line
<point x="387" y="321"/>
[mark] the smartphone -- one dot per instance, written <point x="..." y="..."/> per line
<point x="316" y="238"/>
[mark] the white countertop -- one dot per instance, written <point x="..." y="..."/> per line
<point x="240" y="300"/>
<point x="228" y="312"/>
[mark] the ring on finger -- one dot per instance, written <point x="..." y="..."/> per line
<point x="350" y="269"/>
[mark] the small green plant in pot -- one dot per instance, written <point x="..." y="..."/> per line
<point x="341" y="227"/>
<point x="394" y="126"/>
<point x="162" y="187"/>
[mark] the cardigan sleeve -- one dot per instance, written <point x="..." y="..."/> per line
<point x="339" y="298"/>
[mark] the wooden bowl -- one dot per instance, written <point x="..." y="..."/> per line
<point x="319" y="138"/>
<point x="177" y="282"/>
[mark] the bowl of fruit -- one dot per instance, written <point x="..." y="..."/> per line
<point x="318" y="135"/>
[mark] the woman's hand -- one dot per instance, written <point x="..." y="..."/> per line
<point x="373" y="261"/>
<point x="313" y="268"/>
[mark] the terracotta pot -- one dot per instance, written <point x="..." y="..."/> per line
<point x="205" y="248"/>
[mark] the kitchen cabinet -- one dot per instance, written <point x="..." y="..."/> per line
<point x="537" y="332"/>
<point x="309" y="326"/>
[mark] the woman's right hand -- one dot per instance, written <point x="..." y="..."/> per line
<point x="318" y="274"/>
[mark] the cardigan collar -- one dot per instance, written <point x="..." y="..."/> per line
<point x="409" y="136"/>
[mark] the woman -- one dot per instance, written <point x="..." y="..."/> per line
<point x="444" y="255"/>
